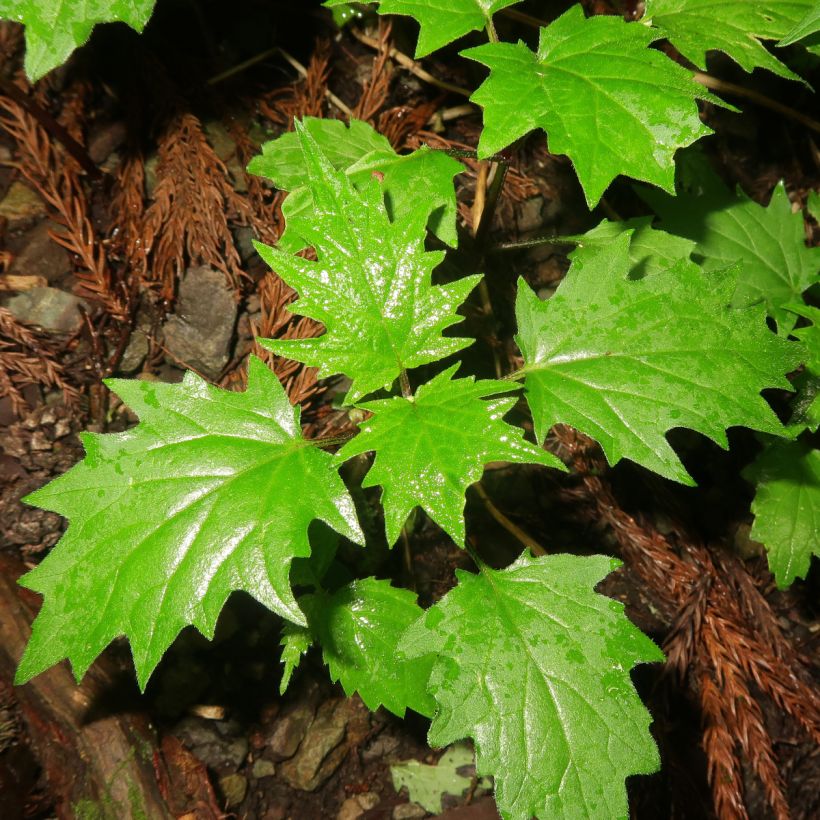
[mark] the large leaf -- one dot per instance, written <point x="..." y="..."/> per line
<point x="534" y="666"/>
<point x="212" y="492"/>
<point x="806" y="404"/>
<point x="358" y="628"/>
<point x="54" y="28"/>
<point x="806" y="27"/>
<point x="734" y="27"/>
<point x="430" y="448"/>
<point x="606" y="100"/>
<point x="787" y="507"/>
<point x="441" y="21"/>
<point x="770" y="243"/>
<point x="360" y="151"/>
<point x="625" y="360"/>
<point x="371" y="286"/>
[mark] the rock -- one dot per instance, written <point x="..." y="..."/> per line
<point x="263" y="768"/>
<point x="355" y="807"/>
<point x="234" y="787"/>
<point x="206" y="742"/>
<point x="291" y="729"/>
<point x="201" y="331"/>
<point x="41" y="255"/>
<point x="21" y="206"/>
<point x="382" y="747"/>
<point x="107" y="140"/>
<point x="409" y="811"/>
<point x="50" y="308"/>
<point x="321" y="752"/>
<point x="529" y="217"/>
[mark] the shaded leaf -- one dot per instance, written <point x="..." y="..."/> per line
<point x="606" y="100"/>
<point x="806" y="404"/>
<point x="371" y="286"/>
<point x="295" y="643"/>
<point x="534" y="666"/>
<point x="430" y="448"/>
<point x="624" y="361"/>
<point x="212" y="492"/>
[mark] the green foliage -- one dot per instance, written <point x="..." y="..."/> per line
<point x="360" y="151"/>
<point x="371" y="285"/>
<point x="534" y="666"/>
<point x="806" y="405"/>
<point x="805" y="29"/>
<point x="787" y="507"/>
<point x="768" y="242"/>
<point x="734" y="27"/>
<point x="606" y="100"/>
<point x="212" y="492"/>
<point x="617" y="358"/>
<point x="54" y="28"/>
<point x="441" y="22"/>
<point x="358" y="628"/>
<point x="295" y="643"/>
<point x="431" y="447"/>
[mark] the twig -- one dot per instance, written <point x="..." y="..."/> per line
<point x="411" y="65"/>
<point x="343" y="107"/>
<point x="534" y="547"/>
<point x="243" y="66"/>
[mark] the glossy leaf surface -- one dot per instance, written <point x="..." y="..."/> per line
<point x="371" y="286"/>
<point x="606" y="100"/>
<point x="358" y="628"/>
<point x="805" y="28"/>
<point x="650" y="251"/>
<point x="787" y="507"/>
<point x="734" y="27"/>
<point x="534" y="666"/>
<point x="431" y="448"/>
<point x="769" y="243"/>
<point x="441" y="21"/>
<point x="212" y="492"/>
<point x="54" y="28"/>
<point x="360" y="151"/>
<point x="624" y="360"/>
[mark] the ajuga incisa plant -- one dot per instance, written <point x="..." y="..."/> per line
<point x="678" y="324"/>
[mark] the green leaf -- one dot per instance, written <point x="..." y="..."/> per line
<point x="54" y="28"/>
<point x="734" y="27"/>
<point x="769" y="243"/>
<point x="212" y="492"/>
<point x="295" y="643"/>
<point x="787" y="507"/>
<point x="371" y="286"/>
<point x="650" y="251"/>
<point x="806" y="405"/>
<point x="808" y="25"/>
<point x="813" y="205"/>
<point x="358" y="628"/>
<point x="441" y="22"/>
<point x="626" y="360"/>
<point x="430" y="448"/>
<point x="360" y="151"/>
<point x="534" y="666"/>
<point x="606" y="100"/>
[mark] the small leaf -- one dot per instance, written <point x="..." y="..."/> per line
<point x="770" y="243"/>
<point x="295" y="643"/>
<point x="426" y="784"/>
<point x="650" y="251"/>
<point x="358" y="628"/>
<point x="429" y="449"/>
<point x="787" y="507"/>
<point x="734" y="27"/>
<point x="212" y="492"/>
<point x="624" y="361"/>
<point x="441" y="22"/>
<point x="371" y="286"/>
<point x="606" y="100"/>
<point x="54" y="28"/>
<point x="534" y="666"/>
<point x="360" y="151"/>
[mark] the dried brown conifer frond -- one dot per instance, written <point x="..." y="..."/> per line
<point x="128" y="210"/>
<point x="725" y="639"/>
<point x="188" y="221"/>
<point x="27" y="357"/>
<point x="56" y="177"/>
<point x="72" y="115"/>
<point x="377" y="87"/>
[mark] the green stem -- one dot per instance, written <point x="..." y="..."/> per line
<point x="535" y="242"/>
<point x="492" y="34"/>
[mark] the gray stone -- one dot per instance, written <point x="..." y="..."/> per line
<point x="200" y="333"/>
<point x="530" y="218"/>
<point x="355" y="807"/>
<point x="234" y="787"/>
<point x="41" y="255"/>
<point x="21" y="205"/>
<point x="49" y="308"/>
<point x="322" y="750"/>
<point x="409" y="811"/>
<point x="290" y="730"/>
<point x="263" y="768"/>
<point x="135" y="352"/>
<point x="215" y="751"/>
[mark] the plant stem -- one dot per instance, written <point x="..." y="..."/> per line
<point x="492" y="34"/>
<point x="404" y="381"/>
<point x="343" y="107"/>
<point x="534" y="243"/>
<point x="534" y="547"/>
